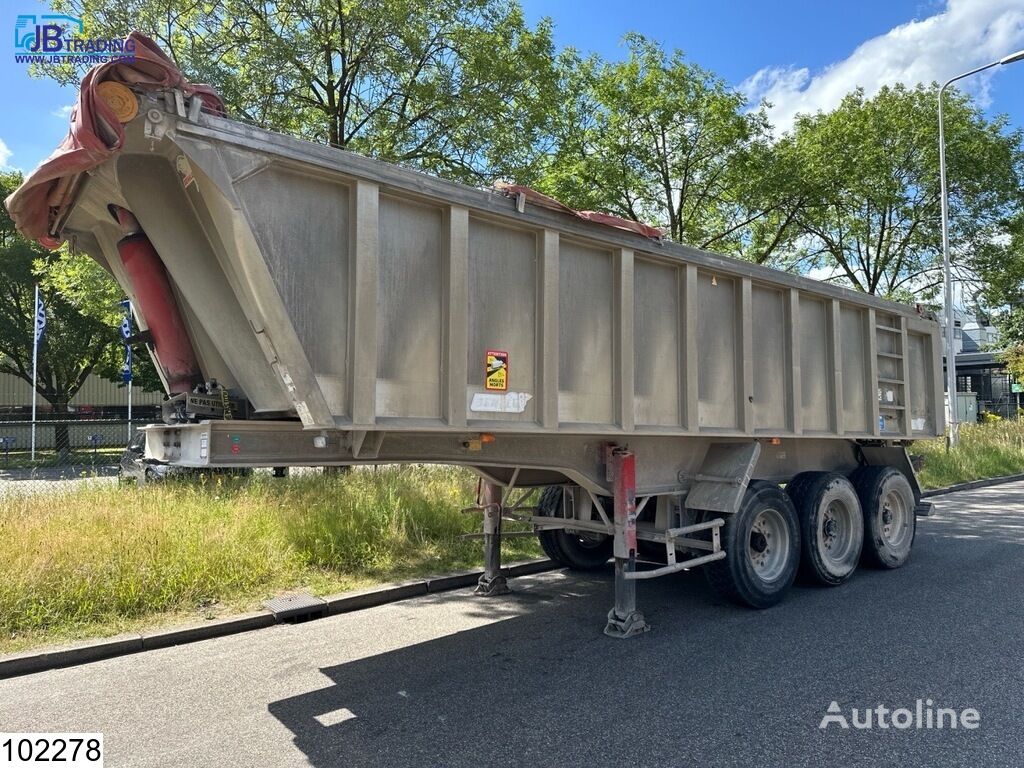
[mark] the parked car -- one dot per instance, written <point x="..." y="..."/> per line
<point x="134" y="467"/>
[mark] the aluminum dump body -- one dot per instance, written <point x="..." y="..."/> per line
<point x="361" y="295"/>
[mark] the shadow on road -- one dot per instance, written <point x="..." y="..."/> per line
<point x="990" y="514"/>
<point x="711" y="684"/>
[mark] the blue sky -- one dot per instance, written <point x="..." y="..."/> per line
<point x="802" y="55"/>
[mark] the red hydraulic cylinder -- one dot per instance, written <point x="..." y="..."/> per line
<point x="156" y="303"/>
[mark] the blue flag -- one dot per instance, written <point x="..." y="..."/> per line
<point x="40" y="319"/>
<point x="126" y="332"/>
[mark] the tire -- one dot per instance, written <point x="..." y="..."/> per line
<point x="576" y="551"/>
<point x="749" y="574"/>
<point x="550" y="506"/>
<point x="889" y="521"/>
<point x="831" y="526"/>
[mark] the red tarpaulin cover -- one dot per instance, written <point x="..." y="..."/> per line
<point x="95" y="135"/>
<point x="538" y="198"/>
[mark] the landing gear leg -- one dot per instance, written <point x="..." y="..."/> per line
<point x="492" y="582"/>
<point x="624" y="620"/>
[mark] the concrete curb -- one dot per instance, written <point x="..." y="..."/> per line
<point x="368" y="598"/>
<point x="988" y="481"/>
<point x="40" y="661"/>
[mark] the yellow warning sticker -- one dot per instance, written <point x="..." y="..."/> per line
<point x="496" y="370"/>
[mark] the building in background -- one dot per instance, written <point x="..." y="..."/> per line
<point x="98" y="418"/>
<point x="98" y="398"/>
<point x="983" y="384"/>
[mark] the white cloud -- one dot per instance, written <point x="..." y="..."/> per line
<point x="64" y="112"/>
<point x="5" y="154"/>
<point x="967" y="34"/>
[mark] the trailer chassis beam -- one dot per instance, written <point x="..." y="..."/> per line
<point x="624" y="620"/>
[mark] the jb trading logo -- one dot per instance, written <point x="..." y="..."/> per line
<point x="54" y="38"/>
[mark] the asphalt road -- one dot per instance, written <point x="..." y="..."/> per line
<point x="529" y="679"/>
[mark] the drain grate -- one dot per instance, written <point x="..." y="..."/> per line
<point x="297" y="607"/>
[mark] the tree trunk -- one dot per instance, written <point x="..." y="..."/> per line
<point x="61" y="433"/>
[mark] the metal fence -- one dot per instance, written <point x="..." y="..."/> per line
<point x="994" y="388"/>
<point x="65" y="449"/>
<point x="56" y="436"/>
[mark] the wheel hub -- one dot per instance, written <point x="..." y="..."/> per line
<point x="838" y="537"/>
<point x="758" y="542"/>
<point x="896" y="521"/>
<point x="768" y="544"/>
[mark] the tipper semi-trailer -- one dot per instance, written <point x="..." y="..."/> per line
<point x="308" y="306"/>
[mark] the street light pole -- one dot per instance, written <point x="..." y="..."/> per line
<point x="951" y="410"/>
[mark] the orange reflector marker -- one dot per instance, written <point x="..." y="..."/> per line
<point x="775" y="441"/>
<point x="119" y="98"/>
<point x="487" y="437"/>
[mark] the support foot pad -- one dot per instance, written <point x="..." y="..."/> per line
<point x="631" y="625"/>
<point x="491" y="587"/>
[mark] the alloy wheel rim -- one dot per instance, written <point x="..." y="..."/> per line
<point x="837" y="537"/>
<point x="894" y="520"/>
<point x="768" y="544"/>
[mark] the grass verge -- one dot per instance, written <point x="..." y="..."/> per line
<point x="985" y="450"/>
<point x="105" y="559"/>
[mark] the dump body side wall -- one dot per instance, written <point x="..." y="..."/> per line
<point x="367" y="296"/>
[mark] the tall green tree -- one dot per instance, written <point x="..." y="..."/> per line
<point x="461" y="88"/>
<point x="94" y="294"/>
<point x="868" y="175"/>
<point x="658" y="139"/>
<point x="1000" y="267"/>
<point x="72" y="345"/>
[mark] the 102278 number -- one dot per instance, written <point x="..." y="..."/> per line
<point x="69" y="750"/>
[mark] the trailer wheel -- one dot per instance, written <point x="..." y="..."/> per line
<point x="889" y="522"/>
<point x="576" y="550"/>
<point x="762" y="546"/>
<point x="831" y="526"/>
<point x="550" y="506"/>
